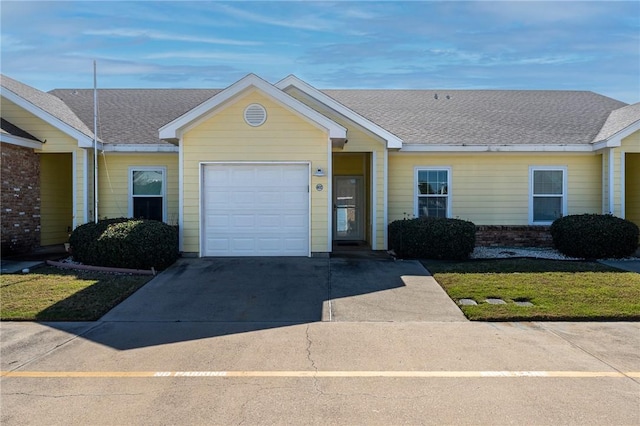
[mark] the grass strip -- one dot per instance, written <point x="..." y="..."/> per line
<point x="52" y="294"/>
<point x="558" y="290"/>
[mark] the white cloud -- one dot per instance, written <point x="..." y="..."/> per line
<point x="248" y="58"/>
<point x="308" y="21"/>
<point x="159" y="35"/>
<point x="543" y="12"/>
<point x="13" y="44"/>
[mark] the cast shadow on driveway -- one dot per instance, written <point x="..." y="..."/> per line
<point x="209" y="297"/>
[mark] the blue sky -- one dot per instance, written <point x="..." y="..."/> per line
<point x="565" y="45"/>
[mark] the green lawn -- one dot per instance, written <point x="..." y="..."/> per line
<point x="52" y="294"/>
<point x="559" y="290"/>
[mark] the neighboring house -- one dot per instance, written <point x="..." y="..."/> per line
<point x="44" y="168"/>
<point x="261" y="169"/>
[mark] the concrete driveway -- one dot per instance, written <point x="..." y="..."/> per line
<point x="289" y="290"/>
<point x="312" y="341"/>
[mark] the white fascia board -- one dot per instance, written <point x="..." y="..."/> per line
<point x="496" y="148"/>
<point x="616" y="140"/>
<point x="172" y="130"/>
<point x="144" y="148"/>
<point x="19" y="141"/>
<point x="393" y="141"/>
<point x="84" y="141"/>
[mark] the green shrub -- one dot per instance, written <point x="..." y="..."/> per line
<point x="432" y="238"/>
<point x="594" y="236"/>
<point x="125" y="243"/>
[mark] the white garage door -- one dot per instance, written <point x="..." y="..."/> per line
<point x="256" y="210"/>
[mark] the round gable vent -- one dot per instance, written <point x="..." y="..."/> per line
<point x="255" y="115"/>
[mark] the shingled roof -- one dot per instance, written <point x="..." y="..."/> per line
<point x="133" y="116"/>
<point x="618" y="120"/>
<point x="483" y="117"/>
<point x="447" y="117"/>
<point x="52" y="105"/>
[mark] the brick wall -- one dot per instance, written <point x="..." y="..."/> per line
<point x="20" y="198"/>
<point x="513" y="236"/>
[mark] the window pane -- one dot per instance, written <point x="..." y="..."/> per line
<point x="432" y="207"/>
<point x="147" y="208"/>
<point x="433" y="182"/>
<point x="547" y="182"/>
<point x="147" y="182"/>
<point x="425" y="188"/>
<point x="547" y="209"/>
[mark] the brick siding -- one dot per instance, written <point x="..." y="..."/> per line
<point x="20" y="197"/>
<point x="513" y="236"/>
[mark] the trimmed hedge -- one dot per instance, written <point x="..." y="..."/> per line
<point x="432" y="238"/>
<point x="126" y="243"/>
<point x="594" y="236"/>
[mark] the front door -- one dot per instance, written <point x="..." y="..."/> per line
<point x="348" y="208"/>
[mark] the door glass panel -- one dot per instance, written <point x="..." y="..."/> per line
<point x="348" y="220"/>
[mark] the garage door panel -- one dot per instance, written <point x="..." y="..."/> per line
<point x="218" y="221"/>
<point x="269" y="198"/>
<point x="295" y="244"/>
<point x="243" y="174"/>
<point x="243" y="222"/>
<point x="294" y="175"/>
<point x="217" y="178"/>
<point x="268" y="222"/>
<point x="296" y="199"/>
<point x="269" y="176"/>
<point x="219" y="245"/>
<point x="256" y="210"/>
<point x="294" y="222"/>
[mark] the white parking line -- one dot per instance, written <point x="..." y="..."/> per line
<point x="320" y="374"/>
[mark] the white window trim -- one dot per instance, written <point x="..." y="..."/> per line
<point x="161" y="169"/>
<point x="564" y="195"/>
<point x="416" y="192"/>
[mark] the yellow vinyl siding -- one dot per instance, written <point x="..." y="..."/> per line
<point x="493" y="189"/>
<point x="113" y="182"/>
<point x="359" y="140"/>
<point x="632" y="142"/>
<point x="56" y="201"/>
<point x="284" y="137"/>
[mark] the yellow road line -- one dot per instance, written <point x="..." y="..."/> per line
<point x="320" y="374"/>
